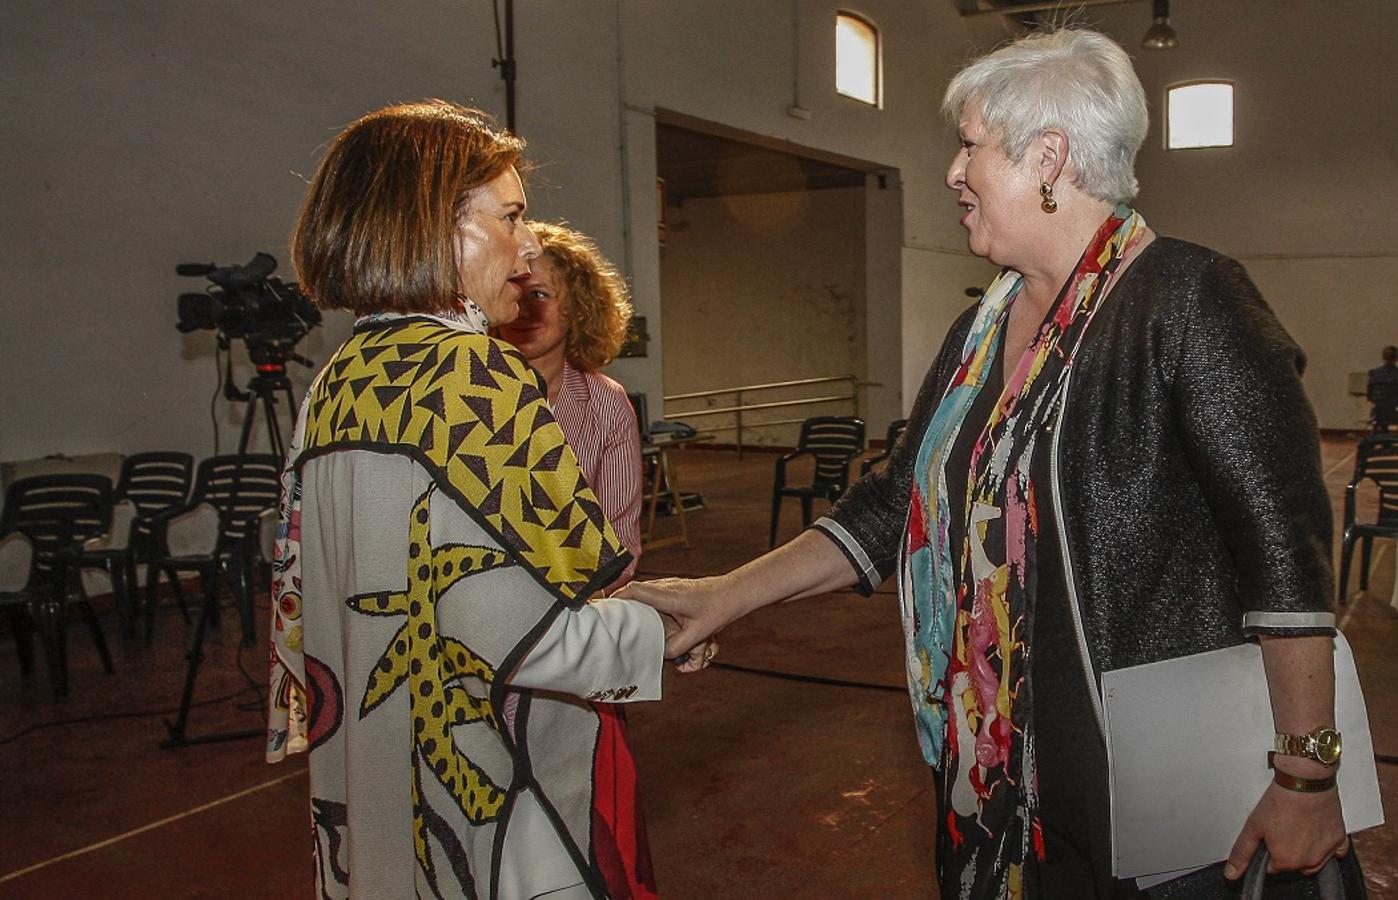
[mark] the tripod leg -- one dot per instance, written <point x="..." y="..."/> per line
<point x="247" y="429"/>
<point x="195" y="656"/>
<point x="274" y="431"/>
<point x="178" y="737"/>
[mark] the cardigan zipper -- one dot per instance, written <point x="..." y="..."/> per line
<point x="1069" y="581"/>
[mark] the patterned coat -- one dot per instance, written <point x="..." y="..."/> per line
<point x="438" y="549"/>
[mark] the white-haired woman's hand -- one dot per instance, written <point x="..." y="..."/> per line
<point x="1301" y="830"/>
<point x="699" y="607"/>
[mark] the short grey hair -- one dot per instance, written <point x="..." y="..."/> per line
<point x="1075" y="80"/>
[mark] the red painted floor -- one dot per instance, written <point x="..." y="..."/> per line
<point x="754" y="787"/>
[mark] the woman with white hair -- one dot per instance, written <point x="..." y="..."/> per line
<point x="1111" y="462"/>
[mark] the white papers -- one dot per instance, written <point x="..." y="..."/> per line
<point x="1187" y="743"/>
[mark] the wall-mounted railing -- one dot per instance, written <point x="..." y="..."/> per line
<point x="741" y="404"/>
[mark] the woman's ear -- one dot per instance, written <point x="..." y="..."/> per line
<point x="1052" y="147"/>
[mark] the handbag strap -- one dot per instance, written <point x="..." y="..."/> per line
<point x="1331" y="886"/>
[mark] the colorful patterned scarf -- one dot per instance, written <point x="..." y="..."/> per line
<point x="968" y="639"/>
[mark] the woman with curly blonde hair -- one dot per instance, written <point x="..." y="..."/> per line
<point x="572" y="321"/>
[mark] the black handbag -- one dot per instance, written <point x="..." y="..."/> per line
<point x="1330" y="881"/>
<point x="1341" y="879"/>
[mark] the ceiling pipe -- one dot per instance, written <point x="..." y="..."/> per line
<point x="978" y="7"/>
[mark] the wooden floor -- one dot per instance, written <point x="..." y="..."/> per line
<point x="754" y="786"/>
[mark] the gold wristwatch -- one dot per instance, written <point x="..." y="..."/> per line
<point x="1321" y="745"/>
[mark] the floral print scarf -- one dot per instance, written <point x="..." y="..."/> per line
<point x="969" y="638"/>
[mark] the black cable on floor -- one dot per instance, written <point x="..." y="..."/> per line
<point x="133" y="714"/>
<point x="808" y="679"/>
<point x="253" y="685"/>
<point x="1381" y="758"/>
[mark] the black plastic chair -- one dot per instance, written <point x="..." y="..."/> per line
<point x="895" y="428"/>
<point x="26" y="608"/>
<point x="216" y="531"/>
<point x="154" y="483"/>
<point x="1376" y="458"/>
<point x="834" y="442"/>
<point x="57" y="513"/>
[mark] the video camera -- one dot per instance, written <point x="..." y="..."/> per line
<point x="250" y="303"/>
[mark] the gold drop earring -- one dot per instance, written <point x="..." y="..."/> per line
<point x="1049" y="205"/>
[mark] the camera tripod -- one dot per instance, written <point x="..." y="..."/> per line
<point x="261" y="392"/>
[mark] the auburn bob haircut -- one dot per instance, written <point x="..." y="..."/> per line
<point x="376" y="229"/>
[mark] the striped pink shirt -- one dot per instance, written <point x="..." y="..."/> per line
<point x="600" y="425"/>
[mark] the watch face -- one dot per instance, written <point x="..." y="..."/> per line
<point x="1327" y="746"/>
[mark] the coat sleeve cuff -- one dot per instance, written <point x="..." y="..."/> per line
<point x="1296" y="623"/>
<point x="869" y="576"/>
<point x="608" y="651"/>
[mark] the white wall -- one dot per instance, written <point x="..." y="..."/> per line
<point x="1307" y="198"/>
<point x="762" y="288"/>
<point x="142" y="134"/>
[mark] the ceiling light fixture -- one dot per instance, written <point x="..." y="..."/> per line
<point x="1160" y="36"/>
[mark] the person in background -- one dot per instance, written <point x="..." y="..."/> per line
<point x="1382" y="391"/>
<point x="1111" y="462"/>
<point x="435" y="645"/>
<point x="572" y="322"/>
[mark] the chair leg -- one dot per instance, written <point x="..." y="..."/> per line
<point x="805" y="512"/>
<point x="98" y="638"/>
<point x="121" y="591"/>
<point x="174" y="577"/>
<point x="1346" y="554"/>
<point x="1366" y="550"/>
<point x="55" y="631"/>
<point x="152" y="582"/>
<point x="776" y="516"/>
<point x="22" y="626"/>
<point x="208" y="577"/>
<point x="243" y="587"/>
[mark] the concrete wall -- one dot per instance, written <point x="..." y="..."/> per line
<point x="763" y="288"/>
<point x="152" y="132"/>
<point x="1307" y="198"/>
<point x="142" y="134"/>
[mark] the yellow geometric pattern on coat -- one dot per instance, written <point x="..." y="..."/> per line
<point x="433" y="668"/>
<point x="471" y="408"/>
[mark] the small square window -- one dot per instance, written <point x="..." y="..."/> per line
<point x="857" y="58"/>
<point x="1199" y="115"/>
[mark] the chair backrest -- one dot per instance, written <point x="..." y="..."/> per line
<point x="833" y="441"/>
<point x="155" y="481"/>
<point x="638" y="406"/>
<point x="1376" y="458"/>
<point x="239" y="487"/>
<point x="57" y="511"/>
<point x="895" y="430"/>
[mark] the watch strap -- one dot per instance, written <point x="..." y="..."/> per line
<point x="1302" y="785"/>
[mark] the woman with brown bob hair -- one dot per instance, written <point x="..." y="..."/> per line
<point x="434" y="642"/>
<point x="572" y="322"/>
